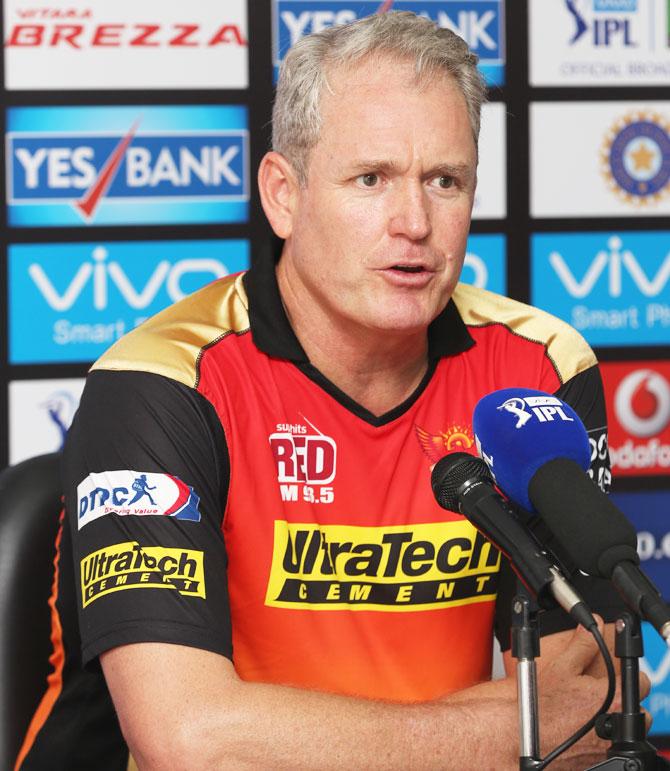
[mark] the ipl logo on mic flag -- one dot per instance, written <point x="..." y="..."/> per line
<point x="79" y="166"/>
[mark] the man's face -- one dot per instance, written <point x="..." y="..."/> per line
<point x="378" y="233"/>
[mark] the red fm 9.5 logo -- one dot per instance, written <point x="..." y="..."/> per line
<point x="304" y="458"/>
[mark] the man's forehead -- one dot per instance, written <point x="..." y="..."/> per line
<point x="401" y="71"/>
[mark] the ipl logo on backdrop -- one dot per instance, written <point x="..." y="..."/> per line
<point x="602" y="22"/>
<point x="638" y="397"/>
<point x="79" y="298"/>
<point x="636" y="158"/>
<point x="612" y="288"/>
<point x="479" y="22"/>
<point x="126" y="165"/>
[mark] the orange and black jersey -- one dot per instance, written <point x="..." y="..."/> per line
<point x="223" y="494"/>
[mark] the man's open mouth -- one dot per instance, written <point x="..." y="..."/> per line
<point x="408" y="268"/>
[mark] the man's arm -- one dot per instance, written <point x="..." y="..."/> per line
<point x="184" y="708"/>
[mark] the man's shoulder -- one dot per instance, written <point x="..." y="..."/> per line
<point x="171" y="343"/>
<point x="563" y="344"/>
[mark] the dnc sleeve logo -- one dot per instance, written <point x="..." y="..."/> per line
<point x="135" y="493"/>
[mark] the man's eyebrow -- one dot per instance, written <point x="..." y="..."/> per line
<point x="362" y="166"/>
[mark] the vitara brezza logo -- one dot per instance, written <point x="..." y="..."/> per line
<point x="305" y="460"/>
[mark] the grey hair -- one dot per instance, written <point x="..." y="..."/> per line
<point x="296" y="116"/>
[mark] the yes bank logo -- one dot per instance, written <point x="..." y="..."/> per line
<point x="479" y="22"/>
<point x="126" y="165"/>
<point x="69" y="302"/>
<point x="613" y="288"/>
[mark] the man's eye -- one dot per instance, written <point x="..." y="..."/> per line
<point x="368" y="180"/>
<point x="444" y="181"/>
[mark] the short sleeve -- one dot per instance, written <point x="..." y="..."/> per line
<point x="146" y="473"/>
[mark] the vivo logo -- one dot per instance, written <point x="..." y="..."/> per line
<point x="611" y="265"/>
<point x="101" y="274"/>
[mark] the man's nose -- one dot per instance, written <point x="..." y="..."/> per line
<point x="410" y="215"/>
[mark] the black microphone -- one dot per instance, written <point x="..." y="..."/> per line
<point x="537" y="448"/>
<point x="597" y="536"/>
<point x="463" y="483"/>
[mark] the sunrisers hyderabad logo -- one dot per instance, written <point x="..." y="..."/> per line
<point x="635" y="158"/>
<point x="453" y="439"/>
<point x="393" y="568"/>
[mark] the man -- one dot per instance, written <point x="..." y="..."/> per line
<point x="295" y="598"/>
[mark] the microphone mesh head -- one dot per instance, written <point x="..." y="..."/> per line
<point x="452" y="472"/>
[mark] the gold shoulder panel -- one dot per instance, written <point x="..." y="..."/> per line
<point x="566" y="348"/>
<point x="171" y="342"/>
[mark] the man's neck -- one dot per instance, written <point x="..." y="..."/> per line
<point x="378" y="369"/>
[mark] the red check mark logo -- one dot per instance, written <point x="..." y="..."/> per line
<point x="88" y="203"/>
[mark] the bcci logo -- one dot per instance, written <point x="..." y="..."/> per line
<point x="635" y="158"/>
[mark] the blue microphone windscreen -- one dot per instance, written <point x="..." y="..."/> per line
<point x="518" y="430"/>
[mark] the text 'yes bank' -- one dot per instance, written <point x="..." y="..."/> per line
<point x="479" y="22"/>
<point x="127" y="165"/>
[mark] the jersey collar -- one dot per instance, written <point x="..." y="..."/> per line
<point x="272" y="332"/>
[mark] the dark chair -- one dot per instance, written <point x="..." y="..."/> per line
<point x="29" y="512"/>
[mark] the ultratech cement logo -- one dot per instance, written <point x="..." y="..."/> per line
<point x="306" y="462"/>
<point x="131" y="566"/>
<point x="402" y="568"/>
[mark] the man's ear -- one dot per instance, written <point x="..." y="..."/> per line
<point x="278" y="187"/>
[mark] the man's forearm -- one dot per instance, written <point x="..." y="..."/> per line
<point x="183" y="708"/>
<point x="279" y="727"/>
<point x="201" y="718"/>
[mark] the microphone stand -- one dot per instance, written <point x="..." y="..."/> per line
<point x="629" y="750"/>
<point x="525" y="648"/>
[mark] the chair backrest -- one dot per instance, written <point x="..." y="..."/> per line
<point x="29" y="513"/>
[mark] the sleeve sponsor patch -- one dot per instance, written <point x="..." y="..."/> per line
<point x="135" y="493"/>
<point x="128" y="565"/>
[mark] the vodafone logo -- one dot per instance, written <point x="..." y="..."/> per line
<point x="642" y="403"/>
